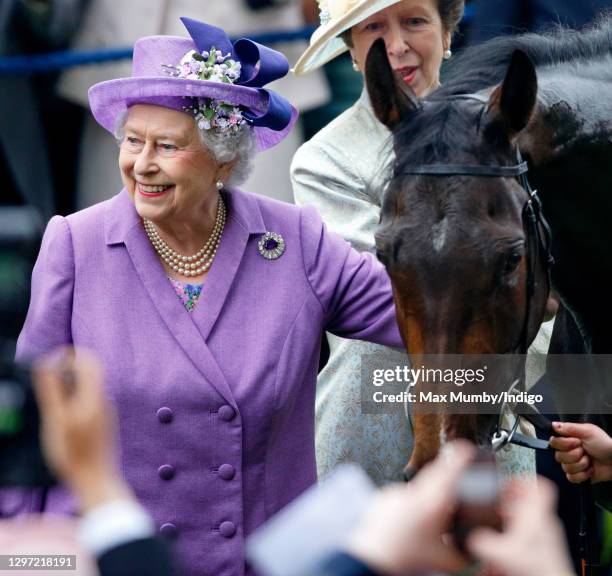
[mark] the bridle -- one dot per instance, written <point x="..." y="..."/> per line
<point x="538" y="252"/>
<point x="539" y="244"/>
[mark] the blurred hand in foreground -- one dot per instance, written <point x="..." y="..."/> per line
<point x="533" y="542"/>
<point x="404" y="528"/>
<point x="78" y="427"/>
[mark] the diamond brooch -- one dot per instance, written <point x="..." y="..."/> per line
<point x="271" y="245"/>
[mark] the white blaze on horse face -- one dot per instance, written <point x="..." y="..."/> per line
<point x="439" y="231"/>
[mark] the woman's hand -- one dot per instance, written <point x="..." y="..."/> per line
<point x="404" y="527"/>
<point x="533" y="542"/>
<point x="77" y="427"/>
<point x="584" y="452"/>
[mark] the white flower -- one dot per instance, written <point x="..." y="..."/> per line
<point x="234" y="70"/>
<point x="188" y="57"/>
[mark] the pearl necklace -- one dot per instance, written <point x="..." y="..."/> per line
<point x="202" y="260"/>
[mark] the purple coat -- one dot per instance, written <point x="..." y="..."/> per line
<point x="216" y="406"/>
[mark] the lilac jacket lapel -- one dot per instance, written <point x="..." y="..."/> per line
<point x="123" y="226"/>
<point x="244" y="219"/>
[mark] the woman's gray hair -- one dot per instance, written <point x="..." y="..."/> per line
<point x="238" y="147"/>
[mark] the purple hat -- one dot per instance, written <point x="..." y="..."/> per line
<point x="169" y="70"/>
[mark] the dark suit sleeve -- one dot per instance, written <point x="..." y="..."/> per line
<point x="146" y="557"/>
<point x="342" y="564"/>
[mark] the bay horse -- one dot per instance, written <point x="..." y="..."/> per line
<point x="467" y="275"/>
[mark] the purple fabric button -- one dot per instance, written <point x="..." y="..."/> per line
<point x="227" y="471"/>
<point x="168" y="530"/>
<point x="227" y="529"/>
<point x="164" y="415"/>
<point x="166" y="472"/>
<point x="226" y="412"/>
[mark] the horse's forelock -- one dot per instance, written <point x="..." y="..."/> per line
<point x="436" y="133"/>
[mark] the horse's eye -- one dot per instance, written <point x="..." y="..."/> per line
<point x="513" y="259"/>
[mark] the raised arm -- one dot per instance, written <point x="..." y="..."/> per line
<point x="353" y="288"/>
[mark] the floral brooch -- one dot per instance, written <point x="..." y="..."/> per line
<point x="271" y="245"/>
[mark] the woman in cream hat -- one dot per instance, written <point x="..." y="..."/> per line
<point x="341" y="171"/>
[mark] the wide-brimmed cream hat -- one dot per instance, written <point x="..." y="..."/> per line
<point x="337" y="16"/>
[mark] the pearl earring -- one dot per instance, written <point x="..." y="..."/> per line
<point x="355" y="66"/>
<point x="447" y="54"/>
<point x="219" y="185"/>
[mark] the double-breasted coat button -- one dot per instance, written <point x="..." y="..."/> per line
<point x="164" y="415"/>
<point x="168" y="530"/>
<point x="227" y="529"/>
<point x="227" y="471"/>
<point x="226" y="412"/>
<point x="166" y="472"/>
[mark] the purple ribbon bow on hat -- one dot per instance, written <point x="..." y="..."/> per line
<point x="260" y="65"/>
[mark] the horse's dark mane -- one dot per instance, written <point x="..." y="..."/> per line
<point x="441" y="125"/>
<point x="481" y="66"/>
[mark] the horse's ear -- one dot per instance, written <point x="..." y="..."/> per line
<point x="512" y="102"/>
<point x="391" y="99"/>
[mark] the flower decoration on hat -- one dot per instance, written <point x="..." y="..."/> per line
<point x="213" y="66"/>
<point x="244" y="63"/>
<point x="222" y="83"/>
<point x="324" y="13"/>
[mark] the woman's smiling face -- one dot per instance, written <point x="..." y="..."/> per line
<point x="164" y="165"/>
<point x="415" y="39"/>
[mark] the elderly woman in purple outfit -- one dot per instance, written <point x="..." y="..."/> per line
<point x="215" y="390"/>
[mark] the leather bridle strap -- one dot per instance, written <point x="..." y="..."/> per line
<point x="537" y="231"/>
<point x="468" y="170"/>
<point x="535" y="225"/>
<point x="538" y="245"/>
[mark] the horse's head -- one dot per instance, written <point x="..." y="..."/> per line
<point x="468" y="273"/>
<point x="456" y="246"/>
